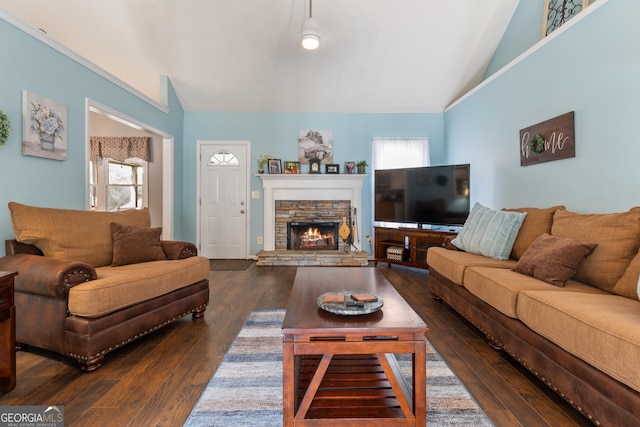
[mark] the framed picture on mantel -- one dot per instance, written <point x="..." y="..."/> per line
<point x="332" y="168"/>
<point x="275" y="166"/>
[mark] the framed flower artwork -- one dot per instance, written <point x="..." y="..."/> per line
<point x="44" y="127"/>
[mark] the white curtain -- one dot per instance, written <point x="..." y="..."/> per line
<point x="390" y="153"/>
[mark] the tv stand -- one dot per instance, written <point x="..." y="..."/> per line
<point x="419" y="241"/>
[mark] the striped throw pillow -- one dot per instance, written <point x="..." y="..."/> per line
<point x="488" y="232"/>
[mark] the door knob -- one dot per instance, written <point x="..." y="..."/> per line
<point x="242" y="203"/>
<point x="241" y="210"/>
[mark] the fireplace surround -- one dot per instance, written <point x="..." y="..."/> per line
<point x="309" y="187"/>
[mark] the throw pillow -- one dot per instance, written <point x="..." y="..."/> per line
<point x="618" y="239"/>
<point x="629" y="284"/>
<point x="553" y="259"/>
<point x="488" y="232"/>
<point x="133" y="244"/>
<point x="72" y="234"/>
<point x="537" y="222"/>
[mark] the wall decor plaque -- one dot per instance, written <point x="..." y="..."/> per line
<point x="550" y="140"/>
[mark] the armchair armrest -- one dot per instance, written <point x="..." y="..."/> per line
<point x="178" y="250"/>
<point x="46" y="276"/>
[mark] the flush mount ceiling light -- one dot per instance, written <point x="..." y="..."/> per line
<point x="310" y="38"/>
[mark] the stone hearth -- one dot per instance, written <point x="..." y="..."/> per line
<point x="283" y="257"/>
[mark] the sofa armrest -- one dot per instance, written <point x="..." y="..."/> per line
<point x="178" y="250"/>
<point x="46" y="276"/>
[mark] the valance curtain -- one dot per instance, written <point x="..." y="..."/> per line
<point x="120" y="148"/>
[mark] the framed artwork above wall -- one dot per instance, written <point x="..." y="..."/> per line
<point x="44" y="126"/>
<point x="557" y="12"/>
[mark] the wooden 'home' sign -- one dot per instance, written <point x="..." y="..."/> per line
<point x="550" y="140"/>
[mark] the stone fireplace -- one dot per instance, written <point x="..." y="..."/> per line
<point x="329" y="213"/>
<point x="310" y="198"/>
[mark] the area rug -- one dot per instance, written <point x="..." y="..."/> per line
<point x="246" y="390"/>
<point x="229" y="264"/>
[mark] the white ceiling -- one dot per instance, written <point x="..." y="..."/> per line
<point x="245" y="55"/>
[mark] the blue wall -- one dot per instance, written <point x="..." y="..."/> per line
<point x="591" y="67"/>
<point x="29" y="64"/>
<point x="277" y="133"/>
<point x="524" y="30"/>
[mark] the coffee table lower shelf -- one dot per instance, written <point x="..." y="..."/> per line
<point x="354" y="387"/>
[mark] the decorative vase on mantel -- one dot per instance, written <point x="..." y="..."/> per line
<point x="47" y="141"/>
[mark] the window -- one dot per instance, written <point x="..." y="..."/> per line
<point x="223" y="158"/>
<point x="390" y="153"/>
<point x="116" y="186"/>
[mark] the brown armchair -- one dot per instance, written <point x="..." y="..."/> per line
<point x="84" y="311"/>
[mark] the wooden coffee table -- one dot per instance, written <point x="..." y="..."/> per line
<point x="344" y="367"/>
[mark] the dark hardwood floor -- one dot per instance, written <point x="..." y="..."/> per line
<point x="157" y="380"/>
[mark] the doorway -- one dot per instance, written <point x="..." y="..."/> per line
<point x="223" y="212"/>
<point x="105" y="121"/>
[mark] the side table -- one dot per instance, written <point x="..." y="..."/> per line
<point x="7" y="333"/>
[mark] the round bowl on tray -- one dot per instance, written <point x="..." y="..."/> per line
<point x="349" y="303"/>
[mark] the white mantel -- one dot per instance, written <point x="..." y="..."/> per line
<point x="308" y="187"/>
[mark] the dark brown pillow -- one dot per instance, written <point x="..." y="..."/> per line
<point x="133" y="244"/>
<point x="553" y="259"/>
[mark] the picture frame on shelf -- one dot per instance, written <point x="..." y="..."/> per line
<point x="314" y="166"/>
<point x="275" y="166"/>
<point x="332" y="168"/>
<point x="349" y="167"/>
<point x="291" y="167"/>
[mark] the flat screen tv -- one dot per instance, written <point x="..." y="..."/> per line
<point x="422" y="196"/>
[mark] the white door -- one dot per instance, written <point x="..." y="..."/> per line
<point x="223" y="201"/>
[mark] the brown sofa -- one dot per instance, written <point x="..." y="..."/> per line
<point x="580" y="336"/>
<point x="90" y="282"/>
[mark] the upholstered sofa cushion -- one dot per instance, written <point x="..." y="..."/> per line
<point x="617" y="236"/>
<point x="452" y="264"/>
<point x="133" y="244"/>
<point x="536" y="223"/>
<point x="553" y="259"/>
<point x="119" y="287"/>
<point x="72" y="234"/>
<point x="499" y="287"/>
<point x="488" y="232"/>
<point x="585" y="324"/>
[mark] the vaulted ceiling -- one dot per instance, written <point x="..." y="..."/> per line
<point x="245" y="55"/>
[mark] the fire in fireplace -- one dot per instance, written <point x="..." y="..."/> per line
<point x="304" y="236"/>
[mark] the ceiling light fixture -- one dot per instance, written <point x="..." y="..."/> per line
<point x="310" y="38"/>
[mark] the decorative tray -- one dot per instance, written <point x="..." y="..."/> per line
<point x="350" y="303"/>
